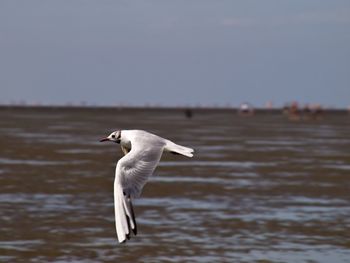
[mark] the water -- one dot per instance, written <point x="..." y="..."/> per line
<point x="259" y="189"/>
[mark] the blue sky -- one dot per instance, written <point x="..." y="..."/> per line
<point x="179" y="52"/>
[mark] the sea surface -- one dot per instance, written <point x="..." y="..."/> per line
<point x="259" y="189"/>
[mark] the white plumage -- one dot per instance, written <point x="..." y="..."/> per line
<point x="143" y="151"/>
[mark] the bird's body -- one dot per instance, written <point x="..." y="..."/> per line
<point x="143" y="151"/>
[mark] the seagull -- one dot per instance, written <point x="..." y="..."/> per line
<point x="142" y="152"/>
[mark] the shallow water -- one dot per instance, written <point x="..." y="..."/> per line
<point x="259" y="189"/>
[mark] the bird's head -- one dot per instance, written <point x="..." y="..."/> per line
<point x="113" y="137"/>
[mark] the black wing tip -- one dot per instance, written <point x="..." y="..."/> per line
<point x="127" y="237"/>
<point x="134" y="230"/>
<point x="133" y="219"/>
<point x="129" y="220"/>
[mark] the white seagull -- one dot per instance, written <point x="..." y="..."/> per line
<point x="142" y="153"/>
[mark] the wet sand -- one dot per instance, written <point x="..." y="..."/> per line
<point x="259" y="189"/>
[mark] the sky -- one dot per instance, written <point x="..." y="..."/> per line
<point x="175" y="53"/>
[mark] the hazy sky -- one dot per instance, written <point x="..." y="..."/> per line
<point x="178" y="52"/>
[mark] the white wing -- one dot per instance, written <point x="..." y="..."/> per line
<point x="134" y="169"/>
<point x="131" y="174"/>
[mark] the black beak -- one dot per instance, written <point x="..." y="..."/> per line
<point x="104" y="139"/>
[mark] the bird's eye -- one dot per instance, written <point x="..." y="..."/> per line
<point x="113" y="136"/>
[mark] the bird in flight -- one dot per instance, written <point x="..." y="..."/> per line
<point x="142" y="152"/>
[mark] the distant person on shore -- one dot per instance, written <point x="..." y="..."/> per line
<point x="188" y="113"/>
<point x="292" y="111"/>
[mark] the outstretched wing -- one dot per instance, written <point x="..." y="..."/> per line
<point x="134" y="169"/>
<point x="131" y="174"/>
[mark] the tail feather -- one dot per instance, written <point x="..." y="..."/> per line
<point x="124" y="214"/>
<point x="178" y="149"/>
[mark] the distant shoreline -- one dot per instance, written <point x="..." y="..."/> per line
<point x="151" y="108"/>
